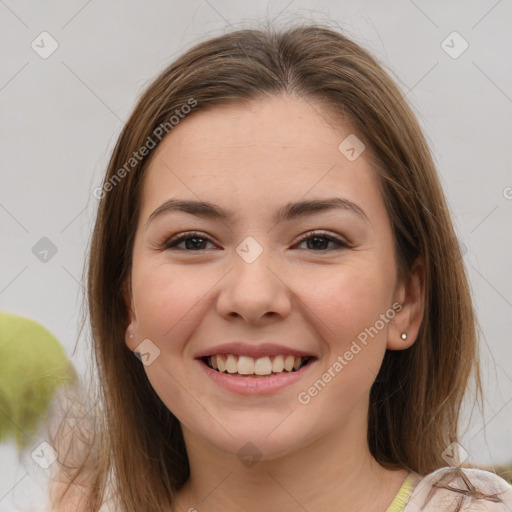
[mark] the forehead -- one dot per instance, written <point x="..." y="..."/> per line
<point x="260" y="125"/>
<point x="263" y="152"/>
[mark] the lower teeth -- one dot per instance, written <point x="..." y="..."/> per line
<point x="253" y="375"/>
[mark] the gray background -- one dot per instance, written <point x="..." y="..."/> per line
<point x="61" y="117"/>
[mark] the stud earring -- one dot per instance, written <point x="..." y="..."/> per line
<point x="131" y="336"/>
<point x="404" y="336"/>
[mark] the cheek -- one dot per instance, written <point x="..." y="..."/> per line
<point x="165" y="300"/>
<point x="348" y="309"/>
<point x="347" y="302"/>
<point x="169" y="303"/>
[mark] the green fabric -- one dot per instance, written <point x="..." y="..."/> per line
<point x="403" y="494"/>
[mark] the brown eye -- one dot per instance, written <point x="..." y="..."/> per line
<point x="197" y="241"/>
<point x="319" y="241"/>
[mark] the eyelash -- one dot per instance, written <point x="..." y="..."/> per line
<point x="173" y="242"/>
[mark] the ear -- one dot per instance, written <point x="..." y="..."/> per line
<point x="410" y="294"/>
<point x="131" y="342"/>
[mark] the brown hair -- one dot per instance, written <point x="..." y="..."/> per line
<point x="416" y="398"/>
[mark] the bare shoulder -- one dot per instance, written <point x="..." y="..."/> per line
<point x="459" y="490"/>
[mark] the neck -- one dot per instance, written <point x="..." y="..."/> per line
<point x="335" y="472"/>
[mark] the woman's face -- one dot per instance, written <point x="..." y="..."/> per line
<point x="275" y="280"/>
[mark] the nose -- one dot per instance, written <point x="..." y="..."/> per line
<point x="254" y="291"/>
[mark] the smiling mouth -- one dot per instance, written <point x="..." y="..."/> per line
<point x="262" y="367"/>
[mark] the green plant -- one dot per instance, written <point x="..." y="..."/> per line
<point x="33" y="364"/>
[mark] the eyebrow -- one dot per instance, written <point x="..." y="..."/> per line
<point x="287" y="212"/>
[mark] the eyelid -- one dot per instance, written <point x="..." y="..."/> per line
<point x="179" y="238"/>
<point x="324" y="234"/>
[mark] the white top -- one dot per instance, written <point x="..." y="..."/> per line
<point x="480" y="490"/>
<point x="418" y="494"/>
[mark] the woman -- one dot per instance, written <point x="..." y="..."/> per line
<point x="274" y="246"/>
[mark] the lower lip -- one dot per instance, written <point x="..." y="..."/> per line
<point x="255" y="385"/>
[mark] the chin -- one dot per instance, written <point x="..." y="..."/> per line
<point x="251" y="443"/>
<point x="250" y="449"/>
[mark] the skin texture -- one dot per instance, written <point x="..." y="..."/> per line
<point x="253" y="159"/>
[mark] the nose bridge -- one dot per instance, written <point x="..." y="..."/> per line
<point x="250" y="250"/>
<point x="252" y="261"/>
<point x="254" y="289"/>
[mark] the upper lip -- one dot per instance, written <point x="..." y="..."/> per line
<point x="241" y="348"/>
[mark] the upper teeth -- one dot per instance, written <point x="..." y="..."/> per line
<point x="246" y="365"/>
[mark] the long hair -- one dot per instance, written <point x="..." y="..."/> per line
<point x="418" y="393"/>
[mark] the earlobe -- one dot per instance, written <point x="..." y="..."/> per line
<point x="404" y="328"/>
<point x="130" y="337"/>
